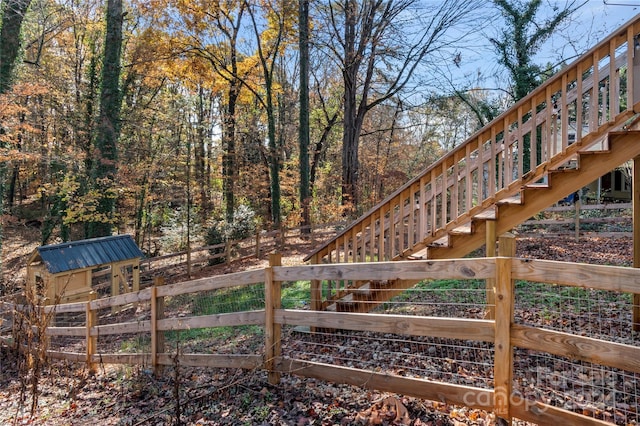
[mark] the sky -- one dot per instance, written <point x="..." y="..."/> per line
<point x="591" y="23"/>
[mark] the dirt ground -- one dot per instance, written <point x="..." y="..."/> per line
<point x="70" y="395"/>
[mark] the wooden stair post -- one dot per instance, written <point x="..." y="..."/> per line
<point x="490" y="251"/>
<point x="507" y="245"/>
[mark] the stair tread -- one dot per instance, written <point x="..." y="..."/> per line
<point x="516" y="199"/>
<point x="537" y="185"/>
<point x="440" y="242"/>
<point x="467" y="228"/>
<point x="488" y="214"/>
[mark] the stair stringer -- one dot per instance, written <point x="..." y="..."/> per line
<point x="623" y="146"/>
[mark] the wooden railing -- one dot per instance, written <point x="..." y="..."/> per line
<point x="505" y="331"/>
<point x="570" y="113"/>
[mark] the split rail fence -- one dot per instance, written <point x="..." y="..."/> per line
<point x="561" y="348"/>
<point x="255" y="246"/>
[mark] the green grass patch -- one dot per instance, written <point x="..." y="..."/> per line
<point x="224" y="333"/>
<point x="296" y="294"/>
<point x="237" y="299"/>
<point x="449" y="291"/>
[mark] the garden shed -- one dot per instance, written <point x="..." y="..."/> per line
<point x="65" y="272"/>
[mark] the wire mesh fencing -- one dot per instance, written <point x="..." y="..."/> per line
<point x="445" y="360"/>
<point x="599" y="314"/>
<point x="580" y="386"/>
<point x="455" y="361"/>
<point x="123" y="329"/>
<point x="222" y="338"/>
<point x="73" y="342"/>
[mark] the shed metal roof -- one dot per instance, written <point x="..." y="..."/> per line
<point x="88" y="253"/>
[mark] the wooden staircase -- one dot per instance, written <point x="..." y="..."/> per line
<point x="577" y="126"/>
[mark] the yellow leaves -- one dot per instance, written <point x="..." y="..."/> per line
<point x="79" y="207"/>
<point x="11" y="103"/>
<point x="148" y="56"/>
<point x="281" y="22"/>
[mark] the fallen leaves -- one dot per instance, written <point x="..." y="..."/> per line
<point x="384" y="412"/>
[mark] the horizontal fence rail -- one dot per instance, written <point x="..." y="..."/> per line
<point x="558" y="347"/>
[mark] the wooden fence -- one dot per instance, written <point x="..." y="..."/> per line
<point x="255" y="246"/>
<point x="264" y="242"/>
<point x="504" y="332"/>
<point x="573" y="217"/>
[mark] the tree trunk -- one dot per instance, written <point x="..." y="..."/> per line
<point x="202" y="134"/>
<point x="13" y="12"/>
<point x="274" y="157"/>
<point x="319" y="149"/>
<point x="303" y="129"/>
<point x="108" y="128"/>
<point x="229" y="169"/>
<point x="350" y="135"/>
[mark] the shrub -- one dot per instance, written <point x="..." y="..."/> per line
<point x="242" y="226"/>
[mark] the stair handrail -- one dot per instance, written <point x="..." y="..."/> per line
<point x="543" y="95"/>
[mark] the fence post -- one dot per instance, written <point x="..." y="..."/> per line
<point x="258" y="243"/>
<point x="227" y="252"/>
<point x="91" y="321"/>
<point x="316" y="289"/>
<point x="273" y="342"/>
<point x="507" y="245"/>
<point x="490" y="251"/>
<point x="503" y="362"/>
<point x="157" y="313"/>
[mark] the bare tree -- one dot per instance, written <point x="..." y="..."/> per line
<point x="378" y="46"/>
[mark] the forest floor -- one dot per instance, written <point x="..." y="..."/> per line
<point x="115" y="395"/>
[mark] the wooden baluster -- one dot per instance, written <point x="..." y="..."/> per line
<point x="563" y="113"/>
<point x="594" y="110"/>
<point x="579" y="108"/>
